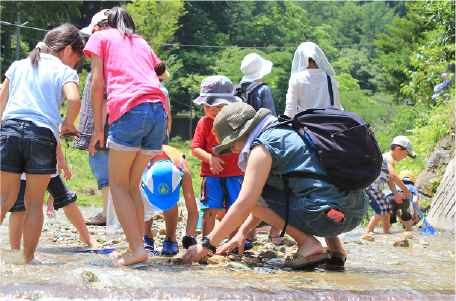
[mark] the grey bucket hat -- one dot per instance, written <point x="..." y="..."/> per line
<point x="233" y="122"/>
<point x="215" y="90"/>
<point x="405" y="143"/>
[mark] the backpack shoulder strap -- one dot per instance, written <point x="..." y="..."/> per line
<point x="253" y="86"/>
<point x="330" y="89"/>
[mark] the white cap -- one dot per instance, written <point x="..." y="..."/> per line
<point x="165" y="75"/>
<point x="405" y="143"/>
<point x="255" y="67"/>
<point x="98" y="17"/>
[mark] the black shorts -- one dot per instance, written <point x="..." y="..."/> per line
<point x="56" y="187"/>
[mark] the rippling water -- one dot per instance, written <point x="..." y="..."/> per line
<point x="375" y="270"/>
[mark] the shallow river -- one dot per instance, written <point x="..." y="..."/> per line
<point x="375" y="270"/>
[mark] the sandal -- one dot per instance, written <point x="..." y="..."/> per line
<point x="336" y="259"/>
<point x="277" y="240"/>
<point x="97" y="220"/>
<point x="299" y="262"/>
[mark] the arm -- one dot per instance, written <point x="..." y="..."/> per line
<point x="97" y="95"/>
<point x="190" y="201"/>
<point x="396" y="193"/>
<point x="415" y="212"/>
<point x="291" y="107"/>
<point x="74" y="105"/>
<point x="267" y="101"/>
<point x="61" y="163"/>
<point x="239" y="239"/>
<point x="258" y="168"/>
<point x="4" y="96"/>
<point x="215" y="163"/>
<point x="168" y="126"/>
<point x="395" y="178"/>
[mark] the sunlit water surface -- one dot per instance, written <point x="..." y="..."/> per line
<point x="375" y="270"/>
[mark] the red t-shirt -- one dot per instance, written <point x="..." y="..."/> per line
<point x="206" y="139"/>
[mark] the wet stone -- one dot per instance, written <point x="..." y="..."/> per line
<point x="216" y="259"/>
<point x="204" y="259"/>
<point x="401" y="243"/>
<point x="89" y="277"/>
<point x="287" y="241"/>
<point x="237" y="266"/>
<point x="367" y="237"/>
<point x="269" y="254"/>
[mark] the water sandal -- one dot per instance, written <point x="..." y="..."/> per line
<point x="188" y="240"/>
<point x="336" y="259"/>
<point x="277" y="240"/>
<point x="247" y="246"/>
<point x="170" y="248"/>
<point x="299" y="262"/>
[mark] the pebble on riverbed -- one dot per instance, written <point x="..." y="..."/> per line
<point x="401" y="243"/>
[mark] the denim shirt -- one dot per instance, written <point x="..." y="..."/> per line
<point x="291" y="153"/>
<point x="262" y="98"/>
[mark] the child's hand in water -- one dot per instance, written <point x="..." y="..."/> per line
<point x="216" y="165"/>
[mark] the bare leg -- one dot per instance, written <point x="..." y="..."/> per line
<point x="50" y="209"/>
<point x="373" y="222"/>
<point x="148" y="228"/>
<point x="10" y="184"/>
<point x="16" y="220"/>
<point x="208" y="222"/>
<point x="190" y="202"/>
<point x="105" y="194"/>
<point x="334" y="245"/>
<point x="75" y="217"/>
<point x="125" y="169"/>
<point x="33" y="220"/>
<point x="386" y="223"/>
<point x="171" y="216"/>
<point x="307" y="244"/>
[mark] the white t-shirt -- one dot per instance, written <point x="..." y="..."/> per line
<point x="36" y="93"/>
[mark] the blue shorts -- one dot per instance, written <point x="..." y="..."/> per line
<point x="220" y="192"/>
<point x="378" y="201"/>
<point x="25" y="147"/>
<point x="100" y="168"/>
<point x="313" y="223"/>
<point x="142" y="129"/>
<point x="56" y="187"/>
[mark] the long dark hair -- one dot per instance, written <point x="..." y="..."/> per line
<point x="57" y="39"/>
<point x="160" y="68"/>
<point x="119" y="18"/>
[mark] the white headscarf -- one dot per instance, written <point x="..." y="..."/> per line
<point x="310" y="50"/>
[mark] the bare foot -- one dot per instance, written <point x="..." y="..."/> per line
<point x="118" y="255"/>
<point x="92" y="242"/>
<point x="310" y="249"/>
<point x="132" y="257"/>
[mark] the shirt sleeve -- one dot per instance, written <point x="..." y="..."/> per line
<point x="155" y="60"/>
<point x="291" y="107"/>
<point x="337" y="103"/>
<point x="94" y="44"/>
<point x="198" y="137"/>
<point x="10" y="72"/>
<point x="70" y="76"/>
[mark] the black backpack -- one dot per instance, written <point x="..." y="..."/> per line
<point x="345" y="143"/>
<point x="245" y="91"/>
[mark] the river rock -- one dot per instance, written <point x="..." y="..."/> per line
<point x="408" y="235"/>
<point x="401" y="243"/>
<point x="283" y="249"/>
<point x="237" y="266"/>
<point x="89" y="277"/>
<point x="277" y="262"/>
<point x="367" y="237"/>
<point x="268" y="246"/>
<point x="269" y="254"/>
<point x="204" y="259"/>
<point x="162" y="231"/>
<point x="216" y="259"/>
<point x="287" y="241"/>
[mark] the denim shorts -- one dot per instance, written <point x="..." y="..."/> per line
<point x="100" y="167"/>
<point x="142" y="129"/>
<point x="220" y="192"/>
<point x="56" y="187"/>
<point x="311" y="223"/>
<point x="25" y="147"/>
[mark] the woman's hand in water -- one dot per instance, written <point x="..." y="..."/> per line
<point x="97" y="136"/>
<point x="237" y="241"/>
<point x="194" y="253"/>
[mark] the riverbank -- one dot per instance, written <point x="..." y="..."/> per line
<point x="423" y="268"/>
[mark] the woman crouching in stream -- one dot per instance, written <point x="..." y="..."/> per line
<point x="264" y="156"/>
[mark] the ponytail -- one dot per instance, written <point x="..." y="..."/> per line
<point x="56" y="40"/>
<point x="120" y="18"/>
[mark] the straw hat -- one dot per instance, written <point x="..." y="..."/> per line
<point x="407" y="174"/>
<point x="255" y="67"/>
<point x="233" y="122"/>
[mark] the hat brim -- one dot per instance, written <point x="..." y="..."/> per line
<point x="214" y="101"/>
<point x="225" y="142"/>
<point x="87" y="30"/>
<point x="411" y="153"/>
<point x="264" y="70"/>
<point x="165" y="75"/>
